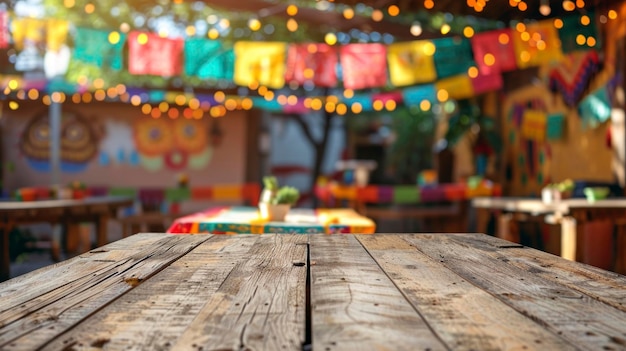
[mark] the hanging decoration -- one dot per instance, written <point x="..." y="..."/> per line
<point x="534" y="125"/>
<point x="312" y="63"/>
<point x="453" y="56"/>
<point x="458" y="87"/>
<point x="538" y="44"/>
<point x="554" y="126"/>
<point x="151" y="54"/>
<point x="572" y="75"/>
<point x="363" y="65"/>
<point x="411" y="63"/>
<point x="4" y="29"/>
<point x="579" y="33"/>
<point x="93" y="52"/>
<point x="595" y="108"/>
<point x="260" y="63"/>
<point x="483" y="83"/>
<point x="494" y="51"/>
<point x="208" y="59"/>
<point x="415" y="95"/>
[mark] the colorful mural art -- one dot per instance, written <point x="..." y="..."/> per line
<point x="173" y="144"/>
<point x="152" y="144"/>
<point x="80" y="140"/>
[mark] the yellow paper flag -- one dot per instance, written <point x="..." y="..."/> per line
<point x="56" y="34"/>
<point x="31" y="29"/>
<point x="534" y="125"/>
<point x="411" y="62"/>
<point x="538" y="44"/>
<point x="260" y="62"/>
<point x="456" y="87"/>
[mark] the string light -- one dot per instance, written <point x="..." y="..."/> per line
<point x="545" y="8"/>
<point x="416" y="29"/>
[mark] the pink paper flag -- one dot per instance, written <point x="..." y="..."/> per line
<point x="484" y="83"/>
<point x="4" y="30"/>
<point x="364" y="65"/>
<point x="314" y="63"/>
<point x="494" y="51"/>
<point x="151" y="54"/>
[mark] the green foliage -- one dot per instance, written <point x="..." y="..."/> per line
<point x="270" y="183"/>
<point x="286" y="195"/>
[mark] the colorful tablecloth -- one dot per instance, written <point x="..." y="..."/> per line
<point x="241" y="219"/>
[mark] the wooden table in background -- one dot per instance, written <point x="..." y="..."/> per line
<point x="68" y="212"/>
<point x="571" y="214"/>
<point x="325" y="292"/>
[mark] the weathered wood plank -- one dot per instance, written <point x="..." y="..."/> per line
<point x="581" y="319"/>
<point x="464" y="316"/>
<point x="156" y="313"/>
<point x="608" y="287"/>
<point x="56" y="308"/>
<point x="355" y="306"/>
<point x="261" y="303"/>
<point x="28" y="286"/>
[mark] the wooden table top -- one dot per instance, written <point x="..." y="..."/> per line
<point x="333" y="292"/>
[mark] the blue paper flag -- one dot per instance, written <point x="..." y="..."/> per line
<point x="415" y="95"/>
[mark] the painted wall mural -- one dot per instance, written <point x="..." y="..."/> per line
<point x="80" y="140"/>
<point x="151" y="144"/>
<point x="174" y="144"/>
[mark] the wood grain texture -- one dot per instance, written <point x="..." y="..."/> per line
<point x="579" y="318"/>
<point x="600" y="284"/>
<point x="464" y="316"/>
<point x="89" y="282"/>
<point x="354" y="304"/>
<point x="260" y="305"/>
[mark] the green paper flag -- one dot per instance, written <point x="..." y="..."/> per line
<point x="595" y="108"/>
<point x="453" y="56"/>
<point x="554" y="126"/>
<point x="208" y="59"/>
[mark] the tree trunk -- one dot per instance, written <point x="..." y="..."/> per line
<point x="319" y="147"/>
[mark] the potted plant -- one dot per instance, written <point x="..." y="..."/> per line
<point x="277" y="207"/>
<point x="270" y="187"/>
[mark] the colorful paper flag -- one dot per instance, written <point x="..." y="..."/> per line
<point x="363" y="65"/>
<point x="92" y="46"/>
<point x="452" y="56"/>
<point x="32" y="30"/>
<point x="595" y="108"/>
<point x="316" y="63"/>
<point x="458" y="87"/>
<point x="148" y="53"/>
<point x="363" y="100"/>
<point x="538" y="44"/>
<point x="484" y="83"/>
<point x="208" y="59"/>
<point x="56" y="33"/>
<point x="395" y="96"/>
<point x="494" y="52"/>
<point x="415" y="95"/>
<point x="575" y="35"/>
<point x="260" y="63"/>
<point x="4" y="29"/>
<point x="411" y="63"/>
<point x="554" y="126"/>
<point x="534" y="125"/>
